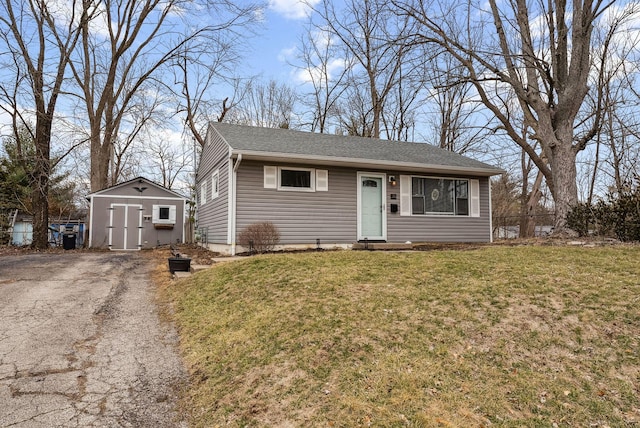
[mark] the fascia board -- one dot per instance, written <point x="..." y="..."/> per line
<point x="365" y="163"/>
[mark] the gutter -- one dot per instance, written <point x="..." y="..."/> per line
<point x="366" y="163"/>
<point x="233" y="190"/>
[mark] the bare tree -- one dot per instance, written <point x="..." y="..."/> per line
<point x="326" y="70"/>
<point x="354" y="113"/>
<point x="207" y="63"/>
<point x="125" y="52"/>
<point x="529" y="197"/>
<point x="399" y="115"/>
<point x="504" y="201"/>
<point x="542" y="53"/>
<point x="269" y="105"/>
<point x="615" y="152"/>
<point x="169" y="160"/>
<point x="38" y="39"/>
<point x="369" y="31"/>
<point x="454" y="113"/>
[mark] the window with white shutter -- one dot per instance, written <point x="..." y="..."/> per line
<point x="163" y="214"/>
<point x="270" y="177"/>
<point x="405" y="195"/>
<point x="322" y="180"/>
<point x="474" y="191"/>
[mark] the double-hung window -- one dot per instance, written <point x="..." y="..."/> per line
<point x="203" y="192"/>
<point x="215" y="182"/>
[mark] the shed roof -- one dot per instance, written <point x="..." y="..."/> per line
<point x="306" y="147"/>
<point x="113" y="190"/>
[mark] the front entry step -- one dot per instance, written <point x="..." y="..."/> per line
<point x="382" y="246"/>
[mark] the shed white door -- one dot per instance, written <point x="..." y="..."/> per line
<point x="125" y="227"/>
<point x="372" y="207"/>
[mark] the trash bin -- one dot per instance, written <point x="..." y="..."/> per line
<point x="69" y="241"/>
<point x="179" y="264"/>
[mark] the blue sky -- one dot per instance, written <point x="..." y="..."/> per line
<point x="283" y="24"/>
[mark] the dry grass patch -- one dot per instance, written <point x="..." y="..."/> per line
<point x="528" y="336"/>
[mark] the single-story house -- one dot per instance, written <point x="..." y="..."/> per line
<point x="337" y="190"/>
<point x="136" y="214"/>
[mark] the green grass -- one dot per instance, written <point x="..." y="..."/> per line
<point x="499" y="336"/>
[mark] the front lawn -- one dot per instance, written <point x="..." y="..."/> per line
<point x="498" y="336"/>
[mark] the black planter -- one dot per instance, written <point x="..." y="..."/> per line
<point x="179" y="264"/>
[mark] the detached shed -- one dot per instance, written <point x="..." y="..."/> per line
<point x="136" y="214"/>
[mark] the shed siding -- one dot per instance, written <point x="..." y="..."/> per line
<point x="301" y="217"/>
<point x="436" y="228"/>
<point x="213" y="214"/>
<point x="151" y="236"/>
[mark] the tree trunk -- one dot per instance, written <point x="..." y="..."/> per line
<point x="528" y="208"/>
<point x="564" y="189"/>
<point x="100" y="157"/>
<point x="41" y="184"/>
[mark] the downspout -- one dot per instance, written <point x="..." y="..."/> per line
<point x="91" y="222"/>
<point x="233" y="203"/>
<point x="490" y="211"/>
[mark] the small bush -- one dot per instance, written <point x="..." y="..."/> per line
<point x="625" y="215"/>
<point x="619" y="216"/>
<point x="581" y="218"/>
<point x="261" y="237"/>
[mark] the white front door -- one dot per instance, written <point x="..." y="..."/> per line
<point x="372" y="213"/>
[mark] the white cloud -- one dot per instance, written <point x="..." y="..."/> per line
<point x="293" y="9"/>
<point x="64" y="10"/>
<point x="286" y="54"/>
<point x="259" y="15"/>
<point x="334" y="67"/>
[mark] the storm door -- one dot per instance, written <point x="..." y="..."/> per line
<point x="372" y="216"/>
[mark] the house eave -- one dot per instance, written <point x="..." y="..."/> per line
<point x="364" y="163"/>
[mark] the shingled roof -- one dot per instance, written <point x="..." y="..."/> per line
<point x="327" y="149"/>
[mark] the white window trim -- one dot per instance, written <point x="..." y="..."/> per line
<point x="473" y="200"/>
<point x="312" y="173"/>
<point x="156" y="214"/>
<point x="203" y="192"/>
<point x="215" y="189"/>
<point x="383" y="177"/>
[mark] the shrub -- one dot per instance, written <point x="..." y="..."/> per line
<point x="618" y="216"/>
<point x="581" y="218"/>
<point x="625" y="215"/>
<point x="260" y="237"/>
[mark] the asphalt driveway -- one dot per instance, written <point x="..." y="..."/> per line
<point x="81" y="344"/>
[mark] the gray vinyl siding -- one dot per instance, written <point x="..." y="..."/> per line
<point x="434" y="228"/>
<point x="151" y="237"/>
<point x="301" y="217"/>
<point x="213" y="214"/>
